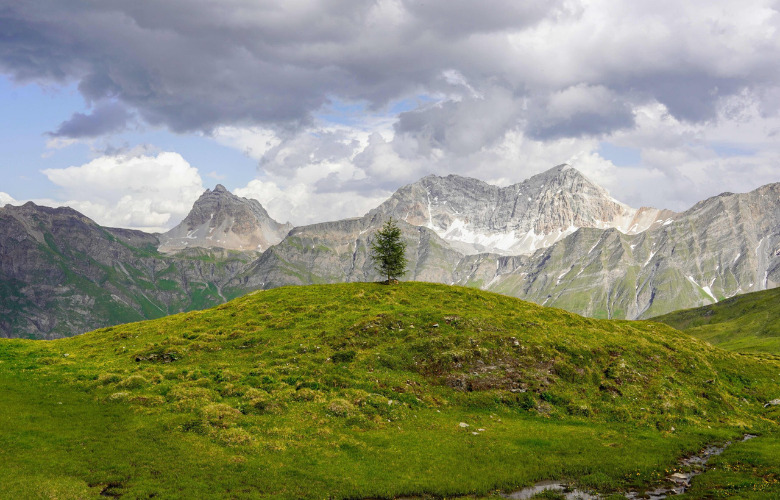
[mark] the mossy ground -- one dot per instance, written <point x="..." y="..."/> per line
<point x="360" y="390"/>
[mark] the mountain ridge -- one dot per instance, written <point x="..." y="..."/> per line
<point x="478" y="217"/>
<point x="704" y="255"/>
<point x="681" y="261"/>
<point x="61" y="273"/>
<point x="745" y="323"/>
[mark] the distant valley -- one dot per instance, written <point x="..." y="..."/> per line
<point x="557" y="239"/>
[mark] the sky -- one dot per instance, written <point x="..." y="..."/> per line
<point x="127" y="110"/>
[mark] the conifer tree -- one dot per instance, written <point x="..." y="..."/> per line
<point x="388" y="251"/>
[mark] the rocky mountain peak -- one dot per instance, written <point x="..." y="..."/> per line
<point x="220" y="219"/>
<point x="477" y="217"/>
<point x="567" y="179"/>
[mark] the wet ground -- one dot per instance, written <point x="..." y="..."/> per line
<point x="676" y="484"/>
<point x="555" y="486"/>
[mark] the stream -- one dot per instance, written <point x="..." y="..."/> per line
<point x="676" y="483"/>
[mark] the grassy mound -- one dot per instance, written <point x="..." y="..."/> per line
<point x="365" y="390"/>
<point x="746" y="323"/>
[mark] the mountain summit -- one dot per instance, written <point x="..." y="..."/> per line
<point x="220" y="219"/>
<point x="477" y="217"/>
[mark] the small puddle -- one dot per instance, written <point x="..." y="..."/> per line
<point x="676" y="485"/>
<point x="556" y="486"/>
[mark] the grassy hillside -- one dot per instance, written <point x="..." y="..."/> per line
<point x="745" y="323"/>
<point x="364" y="390"/>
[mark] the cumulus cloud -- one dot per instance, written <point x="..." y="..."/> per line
<point x="458" y="18"/>
<point x="498" y="90"/>
<point x="198" y="66"/>
<point x="326" y="174"/>
<point x="106" y="118"/>
<point x="463" y="126"/>
<point x="7" y="199"/>
<point x="252" y="141"/>
<point x="579" y="110"/>
<point x="678" y="164"/>
<point x="151" y="193"/>
<point x="304" y="199"/>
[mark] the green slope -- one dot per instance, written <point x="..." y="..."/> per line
<point x="364" y="390"/>
<point x="745" y="323"/>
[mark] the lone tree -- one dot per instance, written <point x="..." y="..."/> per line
<point x="388" y="251"/>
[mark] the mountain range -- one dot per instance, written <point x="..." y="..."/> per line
<point x="556" y="239"/>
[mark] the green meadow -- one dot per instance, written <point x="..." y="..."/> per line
<point x="745" y="323"/>
<point x="372" y="391"/>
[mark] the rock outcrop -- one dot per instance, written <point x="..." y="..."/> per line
<point x="476" y="217"/>
<point x="220" y="219"/>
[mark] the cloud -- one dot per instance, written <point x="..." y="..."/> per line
<point x="348" y="100"/>
<point x="7" y="199"/>
<point x="327" y="174"/>
<point x="151" y="193"/>
<point x="321" y="147"/>
<point x="303" y="201"/>
<point x="578" y="111"/>
<point x="463" y="126"/>
<point x="683" y="163"/>
<point x="106" y="118"/>
<point x="679" y="163"/>
<point x="201" y="65"/>
<point x="215" y="175"/>
<point x="459" y="18"/>
<point x="252" y="141"/>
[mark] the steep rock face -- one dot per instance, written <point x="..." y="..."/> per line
<point x="723" y="246"/>
<point x="62" y="274"/>
<point x="220" y="219"/>
<point x="476" y="217"/>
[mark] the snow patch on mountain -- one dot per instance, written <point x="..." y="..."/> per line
<point x="705" y="288"/>
<point x="477" y="217"/>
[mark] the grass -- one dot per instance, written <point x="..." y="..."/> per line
<point x="364" y="390"/>
<point x="749" y="470"/>
<point x="745" y="323"/>
<point x="61" y="443"/>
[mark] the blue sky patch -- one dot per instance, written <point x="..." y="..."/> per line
<point x="621" y="156"/>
